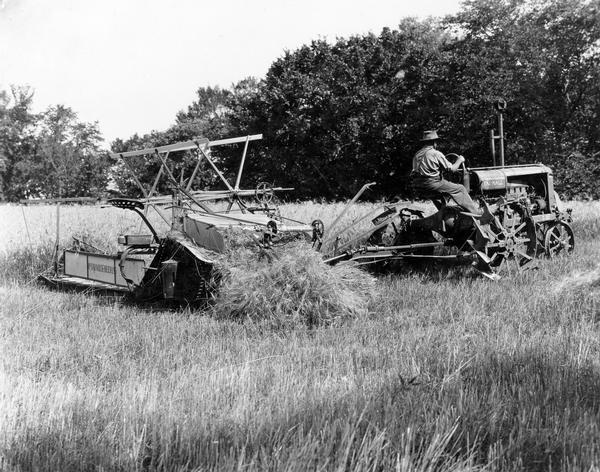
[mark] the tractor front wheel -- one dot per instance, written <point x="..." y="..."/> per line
<point x="559" y="239"/>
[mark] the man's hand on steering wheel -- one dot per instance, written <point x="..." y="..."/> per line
<point x="459" y="161"/>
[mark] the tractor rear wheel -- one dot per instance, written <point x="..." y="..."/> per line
<point x="515" y="242"/>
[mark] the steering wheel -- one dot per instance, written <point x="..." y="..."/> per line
<point x="463" y="170"/>
<point x="455" y="156"/>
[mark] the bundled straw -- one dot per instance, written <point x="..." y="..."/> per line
<point x="291" y="287"/>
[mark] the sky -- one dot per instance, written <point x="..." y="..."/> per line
<point x="131" y="65"/>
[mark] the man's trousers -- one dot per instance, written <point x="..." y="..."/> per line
<point x="431" y="185"/>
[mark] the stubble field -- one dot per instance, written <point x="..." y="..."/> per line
<point x="445" y="370"/>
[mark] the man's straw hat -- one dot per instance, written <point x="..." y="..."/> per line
<point x="430" y="135"/>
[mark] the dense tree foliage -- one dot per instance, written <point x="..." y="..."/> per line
<point x="50" y="154"/>
<point x="17" y="139"/>
<point x="544" y="58"/>
<point x="336" y="115"/>
<point x="67" y="160"/>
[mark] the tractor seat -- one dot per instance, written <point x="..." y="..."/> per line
<point x="126" y="203"/>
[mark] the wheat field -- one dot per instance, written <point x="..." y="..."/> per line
<point x="444" y="370"/>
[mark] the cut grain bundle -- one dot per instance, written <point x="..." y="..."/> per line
<point x="293" y="287"/>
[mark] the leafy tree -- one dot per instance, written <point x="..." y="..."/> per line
<point x="17" y="138"/>
<point x="66" y="161"/>
<point x="334" y="115"/>
<point x="543" y="57"/>
<point x="337" y="115"/>
<point x="49" y="154"/>
<point x="208" y="113"/>
<point x="4" y="101"/>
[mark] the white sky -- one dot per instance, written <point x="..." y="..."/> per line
<point x="132" y="65"/>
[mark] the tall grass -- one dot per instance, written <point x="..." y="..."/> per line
<point x="445" y="371"/>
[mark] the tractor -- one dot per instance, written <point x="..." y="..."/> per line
<point x="522" y="218"/>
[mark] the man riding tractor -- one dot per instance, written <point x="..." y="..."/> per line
<point x="427" y="178"/>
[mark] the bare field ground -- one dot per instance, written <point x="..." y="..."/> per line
<point x="446" y="371"/>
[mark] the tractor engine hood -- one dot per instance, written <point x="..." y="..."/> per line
<point x="498" y="178"/>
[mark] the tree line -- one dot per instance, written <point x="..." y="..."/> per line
<point x="335" y="115"/>
<point x="48" y="154"/>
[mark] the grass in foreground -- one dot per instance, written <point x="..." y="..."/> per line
<point x="446" y="371"/>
